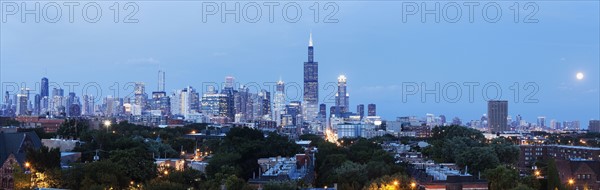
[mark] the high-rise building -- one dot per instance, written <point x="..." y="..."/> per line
<point x="161" y="81"/>
<point x="497" y="114"/>
<point x="229" y="92"/>
<point x="87" y="107"/>
<point x="322" y="111"/>
<point x="342" y="97"/>
<point x="58" y="92"/>
<point x="372" y="110"/>
<point x="37" y="104"/>
<point x="279" y="102"/>
<point x="185" y="102"/>
<point x="360" y="110"/>
<point x="265" y="96"/>
<point x="21" y="104"/>
<point x="541" y="121"/>
<point x="311" y="85"/>
<point x="594" y="126"/>
<point x="6" y="99"/>
<point x="243" y="103"/>
<point x="141" y="98"/>
<point x="44" y="87"/>
<point x="294" y="110"/>
<point x="214" y="104"/>
<point x="160" y="100"/>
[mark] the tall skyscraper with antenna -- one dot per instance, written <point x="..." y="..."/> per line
<point x="311" y="85"/>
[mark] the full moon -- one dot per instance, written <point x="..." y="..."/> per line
<point x="579" y="75"/>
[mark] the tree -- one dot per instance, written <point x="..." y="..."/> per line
<point x="21" y="179"/>
<point x="103" y="174"/>
<point x="43" y="159"/>
<point x="136" y="164"/>
<point x="280" y="185"/>
<point x="72" y="128"/>
<point x="506" y="151"/>
<point x="553" y="178"/>
<point x="501" y="177"/>
<point x="478" y="159"/>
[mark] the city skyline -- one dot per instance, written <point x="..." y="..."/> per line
<point x="544" y="56"/>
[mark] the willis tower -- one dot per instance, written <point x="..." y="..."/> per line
<point x="311" y="86"/>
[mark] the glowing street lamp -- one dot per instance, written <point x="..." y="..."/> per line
<point x="413" y="185"/>
<point x="107" y="124"/>
<point x="27" y="164"/>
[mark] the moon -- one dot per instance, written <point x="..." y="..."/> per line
<point x="579" y="76"/>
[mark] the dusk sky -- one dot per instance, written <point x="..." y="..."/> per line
<point x="370" y="44"/>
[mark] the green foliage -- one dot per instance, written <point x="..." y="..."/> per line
<point x="43" y="159"/>
<point x="21" y="179"/>
<point x="501" y="178"/>
<point x="164" y="185"/>
<point x="280" y="185"/>
<point x="135" y="163"/>
<point x="553" y="178"/>
<point x="353" y="164"/>
<point x="189" y="177"/>
<point x="468" y="147"/>
<point x="478" y="159"/>
<point x="242" y="147"/>
<point x="73" y="128"/>
<point x="396" y="181"/>
<point x="103" y="174"/>
<point x="505" y="150"/>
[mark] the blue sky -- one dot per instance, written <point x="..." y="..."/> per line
<point x="370" y="44"/>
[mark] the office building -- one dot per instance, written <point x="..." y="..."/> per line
<point x="372" y="110"/>
<point x="497" y="114"/>
<point x="311" y="85"/>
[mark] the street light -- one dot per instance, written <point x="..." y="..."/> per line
<point x="537" y="173"/>
<point x="413" y="185"/>
<point x="396" y="183"/>
<point x="107" y="123"/>
<point x="571" y="182"/>
<point x="27" y="164"/>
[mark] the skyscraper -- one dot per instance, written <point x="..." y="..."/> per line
<point x="279" y="102"/>
<point x="360" y="109"/>
<point x="22" y="102"/>
<point x="44" y="87"/>
<point x="141" y="98"/>
<point x="322" y="112"/>
<point x="229" y="93"/>
<point x="311" y="85"/>
<point x="161" y="81"/>
<point x="372" y="110"/>
<point x="497" y="114"/>
<point x="594" y="126"/>
<point x="341" y="97"/>
<point x="541" y="121"/>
